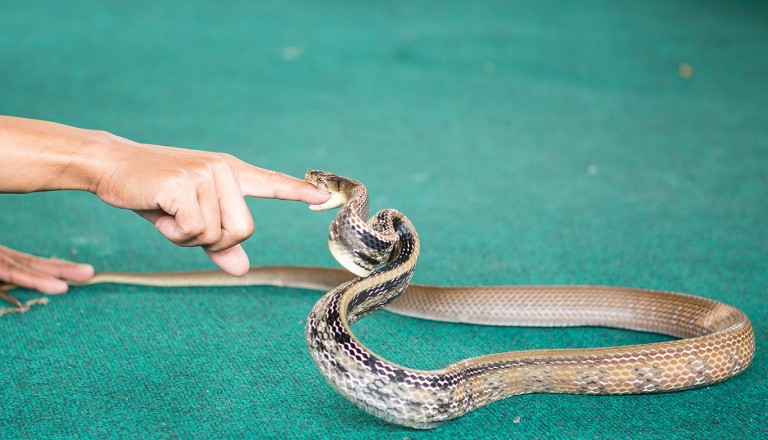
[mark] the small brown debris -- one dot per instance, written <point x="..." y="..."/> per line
<point x="686" y="71"/>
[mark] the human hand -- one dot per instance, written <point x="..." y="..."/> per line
<point x="47" y="275"/>
<point x="194" y="198"/>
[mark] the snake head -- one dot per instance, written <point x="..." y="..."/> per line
<point x="328" y="182"/>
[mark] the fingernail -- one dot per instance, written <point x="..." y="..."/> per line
<point x="322" y="191"/>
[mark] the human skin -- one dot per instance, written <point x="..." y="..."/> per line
<point x="194" y="198"/>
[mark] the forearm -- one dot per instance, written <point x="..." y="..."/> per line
<point x="42" y="156"/>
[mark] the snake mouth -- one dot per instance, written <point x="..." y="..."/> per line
<point x="337" y="200"/>
<point x="329" y="182"/>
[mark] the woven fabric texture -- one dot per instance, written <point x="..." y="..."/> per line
<point x="533" y="142"/>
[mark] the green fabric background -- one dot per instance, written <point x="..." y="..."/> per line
<point x="537" y="142"/>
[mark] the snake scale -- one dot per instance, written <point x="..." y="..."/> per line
<point x="716" y="340"/>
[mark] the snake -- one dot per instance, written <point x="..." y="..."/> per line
<point x="713" y="341"/>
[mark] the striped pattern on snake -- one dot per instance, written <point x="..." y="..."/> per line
<point x="718" y="340"/>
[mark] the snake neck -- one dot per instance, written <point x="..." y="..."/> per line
<point x="362" y="246"/>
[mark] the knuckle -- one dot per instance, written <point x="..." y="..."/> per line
<point x="276" y="175"/>
<point x="210" y="236"/>
<point x="177" y="181"/>
<point x="201" y="172"/>
<point x="227" y="158"/>
<point x="206" y="170"/>
<point x="193" y="229"/>
<point x="218" y="160"/>
<point x="15" y="274"/>
<point x="242" y="230"/>
<point x="200" y="169"/>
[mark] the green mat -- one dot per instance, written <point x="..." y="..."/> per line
<point x="530" y="142"/>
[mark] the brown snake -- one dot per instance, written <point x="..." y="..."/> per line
<point x="717" y="340"/>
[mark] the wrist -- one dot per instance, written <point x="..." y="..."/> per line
<point x="93" y="160"/>
<point x="76" y="160"/>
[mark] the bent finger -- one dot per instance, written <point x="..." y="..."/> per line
<point x="208" y="201"/>
<point x="236" y="222"/>
<point x="234" y="260"/>
<point x="184" y="220"/>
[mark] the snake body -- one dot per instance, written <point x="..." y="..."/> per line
<point x="717" y="340"/>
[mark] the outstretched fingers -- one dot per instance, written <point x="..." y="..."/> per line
<point x="47" y="275"/>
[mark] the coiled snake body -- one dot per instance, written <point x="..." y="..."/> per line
<point x="717" y="339"/>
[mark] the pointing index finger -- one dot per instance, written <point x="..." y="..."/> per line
<point x="258" y="182"/>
